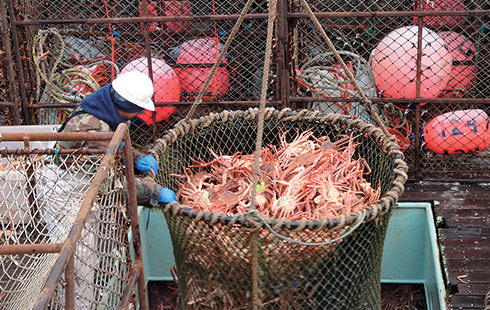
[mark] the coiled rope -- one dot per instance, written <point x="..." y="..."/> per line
<point x="63" y="86"/>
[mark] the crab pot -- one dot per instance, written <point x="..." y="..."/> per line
<point x="214" y="253"/>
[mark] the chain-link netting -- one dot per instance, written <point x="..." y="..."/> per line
<point x="213" y="252"/>
<point x="40" y="197"/>
<point x="380" y="49"/>
<point x="182" y="53"/>
<point x="383" y="53"/>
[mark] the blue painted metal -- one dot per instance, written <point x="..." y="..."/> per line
<point x="158" y="255"/>
<point x="411" y="252"/>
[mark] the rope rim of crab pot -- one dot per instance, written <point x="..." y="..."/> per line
<point x="387" y="145"/>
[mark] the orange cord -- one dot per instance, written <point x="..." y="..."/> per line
<point x="110" y="38"/>
<point x="214" y="14"/>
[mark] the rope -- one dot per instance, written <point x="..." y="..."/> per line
<point x="258" y="141"/>
<point x="198" y="99"/>
<point x="487" y="301"/>
<point x="326" y="80"/>
<point x="263" y="96"/>
<point x="63" y="86"/>
<point x="347" y="71"/>
<point x="356" y="224"/>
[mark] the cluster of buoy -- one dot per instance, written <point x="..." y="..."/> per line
<point x="446" y="63"/>
<point x="194" y="60"/>
<point x="447" y="69"/>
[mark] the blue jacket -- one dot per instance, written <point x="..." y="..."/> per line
<point x="100" y="105"/>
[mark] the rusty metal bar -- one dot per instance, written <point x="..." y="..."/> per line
<point x="133" y="215"/>
<point x="146" y="30"/>
<point x="135" y="273"/>
<point x="282" y="38"/>
<point x="12" y="249"/>
<point x="389" y="14"/>
<point x="55" y="136"/>
<point x="51" y="151"/>
<point x="166" y="104"/>
<point x="14" y="92"/>
<point x="122" y="20"/>
<point x="125" y="20"/>
<point x="20" y="69"/>
<point x="417" y="94"/>
<point x="70" y="284"/>
<point x="396" y="100"/>
<point x="69" y="246"/>
<point x="6" y="104"/>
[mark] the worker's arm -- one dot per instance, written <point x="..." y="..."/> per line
<point x="85" y="123"/>
<point x="149" y="193"/>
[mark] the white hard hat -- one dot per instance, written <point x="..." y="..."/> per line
<point x="136" y="87"/>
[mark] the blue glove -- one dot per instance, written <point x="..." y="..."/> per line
<point x="167" y="196"/>
<point x="147" y="163"/>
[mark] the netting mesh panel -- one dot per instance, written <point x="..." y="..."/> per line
<point x="214" y="267"/>
<point x="213" y="261"/>
<point x="463" y="43"/>
<point x="39" y="200"/>
<point x="183" y="52"/>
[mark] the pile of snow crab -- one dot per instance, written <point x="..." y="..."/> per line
<point x="308" y="178"/>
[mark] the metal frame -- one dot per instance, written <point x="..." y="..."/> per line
<point x="284" y="19"/>
<point x="66" y="250"/>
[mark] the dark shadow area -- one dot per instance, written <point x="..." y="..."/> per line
<point x="394" y="296"/>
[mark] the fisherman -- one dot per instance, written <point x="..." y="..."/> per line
<point x="102" y="111"/>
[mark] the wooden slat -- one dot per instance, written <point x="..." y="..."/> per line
<point x="467" y="242"/>
<point x="472" y="289"/>
<point x="467" y="302"/>
<point x="468" y="265"/>
<point x="464" y="238"/>
<point x="481" y="277"/>
<point x="466" y="232"/>
<point x="465" y="253"/>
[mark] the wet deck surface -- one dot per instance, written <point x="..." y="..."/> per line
<point x="464" y="235"/>
<point x="464" y="213"/>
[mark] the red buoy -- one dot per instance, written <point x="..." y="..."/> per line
<point x="202" y="51"/>
<point x="458" y="132"/>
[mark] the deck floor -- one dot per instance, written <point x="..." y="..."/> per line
<point x="464" y="230"/>
<point x="463" y="211"/>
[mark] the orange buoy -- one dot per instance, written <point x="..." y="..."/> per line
<point x="201" y="51"/>
<point x="458" y="132"/>
<point x="165" y="84"/>
<point x="463" y="52"/>
<point x="394" y="63"/>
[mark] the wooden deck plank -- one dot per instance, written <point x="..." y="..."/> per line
<point x="464" y="236"/>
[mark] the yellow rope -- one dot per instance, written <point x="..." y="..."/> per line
<point x="61" y="86"/>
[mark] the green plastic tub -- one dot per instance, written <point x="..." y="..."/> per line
<point x="411" y="252"/>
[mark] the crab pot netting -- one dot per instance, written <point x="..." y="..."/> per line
<point x="40" y="196"/>
<point x="213" y="251"/>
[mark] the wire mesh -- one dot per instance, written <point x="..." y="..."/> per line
<point x="39" y="200"/>
<point x="184" y="47"/>
<point x="213" y="254"/>
<point x="452" y="66"/>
